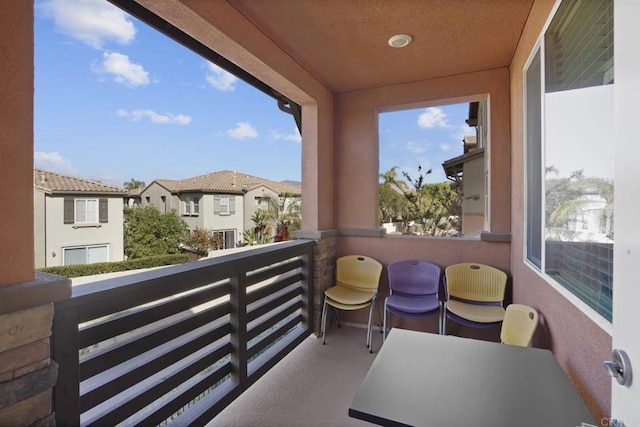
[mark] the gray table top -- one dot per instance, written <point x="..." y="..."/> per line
<point x="422" y="379"/>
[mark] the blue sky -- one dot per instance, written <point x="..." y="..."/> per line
<point x="116" y="100"/>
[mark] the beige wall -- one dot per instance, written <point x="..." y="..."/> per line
<point x="16" y="142"/>
<point x="155" y="192"/>
<point x="39" y="228"/>
<point x="577" y="342"/>
<point x="59" y="235"/>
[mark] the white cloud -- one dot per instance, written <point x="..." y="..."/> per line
<point x="433" y="117"/>
<point x="461" y="132"/>
<point x="93" y="22"/>
<point x="122" y="69"/>
<point x="416" y="148"/>
<point x="293" y="136"/>
<point x="445" y="147"/>
<point x="220" y="79"/>
<point x="243" y="130"/>
<point x="155" y="118"/>
<point x="52" y="161"/>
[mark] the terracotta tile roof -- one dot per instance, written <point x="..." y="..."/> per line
<point x="226" y="181"/>
<point x="58" y="183"/>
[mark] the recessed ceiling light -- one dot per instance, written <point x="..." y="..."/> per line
<point x="400" y="40"/>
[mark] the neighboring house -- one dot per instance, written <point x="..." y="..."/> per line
<point x="470" y="173"/>
<point x="76" y="221"/>
<point x="221" y="201"/>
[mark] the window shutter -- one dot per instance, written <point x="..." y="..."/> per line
<point x="232" y="204"/>
<point x="216" y="205"/>
<point x="103" y="210"/>
<point x="69" y="210"/>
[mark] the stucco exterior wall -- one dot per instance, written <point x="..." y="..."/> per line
<point x="60" y="235"/>
<point x="16" y="143"/>
<point x="154" y="194"/>
<point x="249" y="203"/>
<point x="579" y="344"/>
<point x="39" y="228"/>
<point x="222" y="222"/>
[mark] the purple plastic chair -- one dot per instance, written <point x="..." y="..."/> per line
<point x="413" y="291"/>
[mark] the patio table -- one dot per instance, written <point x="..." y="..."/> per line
<point x="423" y="379"/>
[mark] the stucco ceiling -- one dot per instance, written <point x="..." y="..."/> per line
<point x="343" y="43"/>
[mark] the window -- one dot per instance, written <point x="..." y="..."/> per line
<point x="191" y="206"/>
<point x="85" y="211"/>
<point x="261" y="203"/>
<point x="569" y="153"/>
<point x="434" y="171"/>
<point x="228" y="239"/>
<point x="224" y="205"/>
<point x="86" y="254"/>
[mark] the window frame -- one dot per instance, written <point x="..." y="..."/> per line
<point x="540" y="271"/>
<point x="86" y="248"/>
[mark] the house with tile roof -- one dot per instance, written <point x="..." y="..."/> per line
<point x="76" y="221"/>
<point x="222" y="201"/>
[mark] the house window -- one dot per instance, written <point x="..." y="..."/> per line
<point x="261" y="203"/>
<point x="86" y="254"/>
<point x="228" y="239"/>
<point x="224" y="205"/>
<point x="85" y="211"/>
<point x="191" y="206"/>
<point x="569" y="153"/>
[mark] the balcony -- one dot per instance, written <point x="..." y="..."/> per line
<point x="178" y="344"/>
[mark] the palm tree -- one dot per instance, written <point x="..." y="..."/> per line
<point x="133" y="184"/>
<point x="284" y="215"/>
<point x="567" y="199"/>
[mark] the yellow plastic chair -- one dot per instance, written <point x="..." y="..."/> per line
<point x="519" y="325"/>
<point x="474" y="295"/>
<point x="357" y="278"/>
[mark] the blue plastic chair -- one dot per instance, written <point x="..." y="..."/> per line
<point x="413" y="291"/>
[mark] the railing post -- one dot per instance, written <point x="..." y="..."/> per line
<point x="64" y="349"/>
<point x="239" y="354"/>
<point x="307" y="288"/>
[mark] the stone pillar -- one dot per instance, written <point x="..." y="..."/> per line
<point x="27" y="373"/>
<point x="324" y="264"/>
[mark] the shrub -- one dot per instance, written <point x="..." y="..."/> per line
<point x="110" y="267"/>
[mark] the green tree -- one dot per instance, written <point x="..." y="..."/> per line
<point x="436" y="208"/>
<point x="202" y="241"/>
<point x="133" y="184"/>
<point x="279" y="220"/>
<point x="285" y="216"/>
<point x="147" y="232"/>
<point x="393" y="206"/>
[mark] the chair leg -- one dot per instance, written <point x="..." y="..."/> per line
<point x="374" y="301"/>
<point x="384" y="321"/>
<point x="379" y="319"/>
<point x="369" y="326"/>
<point x="324" y="320"/>
<point x="443" y="316"/>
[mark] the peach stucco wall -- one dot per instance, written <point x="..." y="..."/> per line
<point x="16" y="143"/>
<point x="578" y="343"/>
<point x="356" y="145"/>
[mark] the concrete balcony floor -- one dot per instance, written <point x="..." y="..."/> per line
<point x="312" y="386"/>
